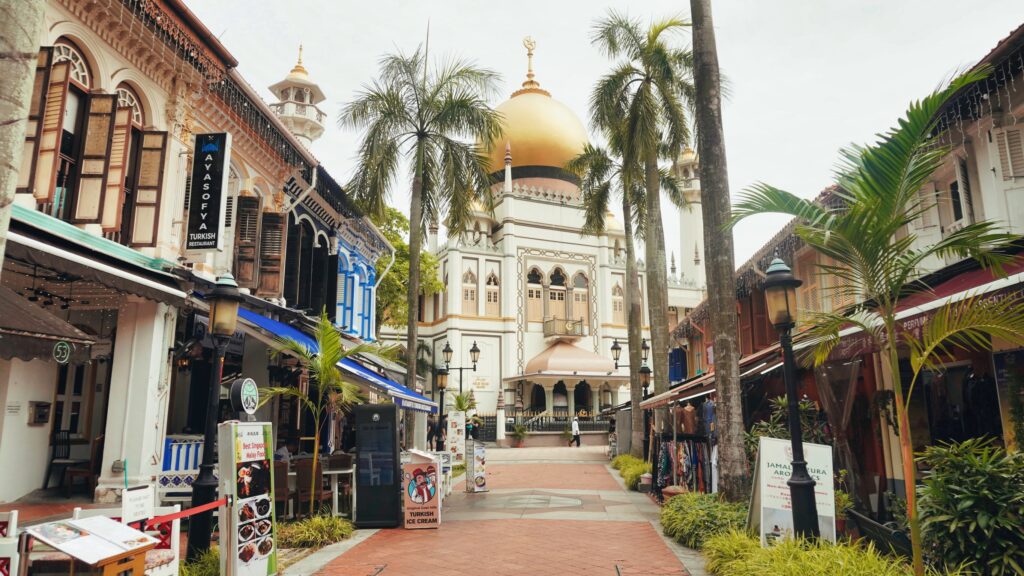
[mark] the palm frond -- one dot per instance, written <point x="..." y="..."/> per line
<point x="825" y="330"/>
<point x="763" y="199"/>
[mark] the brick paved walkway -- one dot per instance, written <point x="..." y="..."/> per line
<point x="565" y="516"/>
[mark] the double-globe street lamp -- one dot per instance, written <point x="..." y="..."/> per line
<point x="474" y="355"/>
<point x="645" y="371"/>
<point x="780" y="295"/>
<point x="223" y="300"/>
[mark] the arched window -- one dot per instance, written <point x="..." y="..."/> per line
<point x="65" y="51"/>
<point x="469" y="293"/>
<point x="618" y="311"/>
<point x="127" y="98"/>
<point x="581" y="298"/>
<point x="556" y="294"/>
<point x="493" y="296"/>
<point x="534" y="296"/>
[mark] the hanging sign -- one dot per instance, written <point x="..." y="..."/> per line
<point x="62" y="352"/>
<point x="771" y="511"/>
<point x="208" y="198"/>
<point x="245" y="396"/>
<point x="137" y="503"/>
<point x="248" y="525"/>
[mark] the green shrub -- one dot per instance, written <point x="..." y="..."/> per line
<point x="623" y="459"/>
<point x="972" y="506"/>
<point x="313" y="532"/>
<point x="737" y="554"/>
<point x="693" y="517"/>
<point x="632" y="471"/>
<point x="208" y="564"/>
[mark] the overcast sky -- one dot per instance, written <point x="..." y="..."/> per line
<point x="806" y="77"/>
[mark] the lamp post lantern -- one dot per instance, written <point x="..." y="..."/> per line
<point x="645" y="371"/>
<point x="780" y="296"/>
<point x="441" y="381"/>
<point x="474" y="356"/>
<point x="224" y="300"/>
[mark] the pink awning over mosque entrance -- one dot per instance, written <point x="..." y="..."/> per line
<point x="563" y="361"/>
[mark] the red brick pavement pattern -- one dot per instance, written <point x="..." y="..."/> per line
<point x="512" y="548"/>
<point x="546" y="476"/>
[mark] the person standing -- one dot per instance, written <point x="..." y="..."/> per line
<point x="575" y="431"/>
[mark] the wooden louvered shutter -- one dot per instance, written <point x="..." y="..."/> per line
<point x="1010" y="142"/>
<point x="247" y="226"/>
<point x="271" y="253"/>
<point x="26" y="174"/>
<point x="117" y="170"/>
<point x="92" y="176"/>
<point x="149" y="182"/>
<point x="50" y="132"/>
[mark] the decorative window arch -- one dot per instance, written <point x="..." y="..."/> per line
<point x="534" y="296"/>
<point x="557" y="278"/>
<point x="65" y="50"/>
<point x="581" y="298"/>
<point x="618" y="305"/>
<point x="469" y="306"/>
<point x="492" y="296"/>
<point x="128" y="98"/>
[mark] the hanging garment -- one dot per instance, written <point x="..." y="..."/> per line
<point x="664" y="465"/>
<point x="714" y="468"/>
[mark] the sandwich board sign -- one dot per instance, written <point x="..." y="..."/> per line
<point x="771" y="510"/>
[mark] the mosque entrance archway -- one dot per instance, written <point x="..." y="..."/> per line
<point x="538" y="401"/>
<point x="560" y="399"/>
<point x="582" y="397"/>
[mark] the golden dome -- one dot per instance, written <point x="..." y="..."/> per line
<point x="541" y="130"/>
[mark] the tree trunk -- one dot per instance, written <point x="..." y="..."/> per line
<point x="906" y="447"/>
<point x="412" y="297"/>
<point x="657" y="282"/>
<point x="634" y="327"/>
<point x="718" y="253"/>
<point x="21" y="22"/>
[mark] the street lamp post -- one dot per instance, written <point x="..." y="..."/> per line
<point x="474" y="355"/>
<point x="441" y="381"/>
<point x="645" y="371"/>
<point x="780" y="294"/>
<point x="223" y="300"/>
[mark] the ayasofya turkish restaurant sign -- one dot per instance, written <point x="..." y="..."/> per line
<point x="208" y="196"/>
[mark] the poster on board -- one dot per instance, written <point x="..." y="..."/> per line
<point x="771" y="512"/>
<point x="479" y="476"/>
<point x="457" y="436"/>
<point x="248" y="526"/>
<point x="421" y="491"/>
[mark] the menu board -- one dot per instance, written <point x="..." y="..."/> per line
<point x="246" y="468"/>
<point x="479" y="462"/>
<point x="92" y="539"/>
<point x="457" y="436"/>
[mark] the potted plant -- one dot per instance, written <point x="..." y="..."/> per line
<point x="519" y="433"/>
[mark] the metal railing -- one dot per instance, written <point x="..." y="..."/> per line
<point x="563" y="327"/>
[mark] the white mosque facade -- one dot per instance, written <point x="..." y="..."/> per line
<point x="542" y="301"/>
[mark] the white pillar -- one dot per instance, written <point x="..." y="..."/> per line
<point x="549" y="397"/>
<point x="595" y="400"/>
<point x="570" y="394"/>
<point x="499" y="423"/>
<point x="139" y="390"/>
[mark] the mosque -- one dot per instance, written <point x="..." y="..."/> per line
<point x="542" y="302"/>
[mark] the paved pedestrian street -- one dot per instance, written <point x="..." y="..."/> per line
<point x="557" y="511"/>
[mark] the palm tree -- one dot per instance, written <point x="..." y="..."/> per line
<point x="433" y="117"/>
<point x="328" y="390"/>
<point x="641" y="105"/>
<point x="463" y="402"/>
<point x="601" y="176"/>
<point x="719" y="257"/>
<point x="878" y="260"/>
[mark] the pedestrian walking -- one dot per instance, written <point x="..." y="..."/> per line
<point x="575" y="431"/>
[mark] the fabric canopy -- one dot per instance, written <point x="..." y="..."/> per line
<point x="400" y="394"/>
<point x="28" y="331"/>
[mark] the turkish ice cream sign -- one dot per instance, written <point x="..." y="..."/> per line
<point x="772" y="496"/>
<point x="421" y="491"/>
<point x="248" y="525"/>
<point x="207" y="202"/>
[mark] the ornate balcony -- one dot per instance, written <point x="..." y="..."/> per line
<point x="563" y="327"/>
